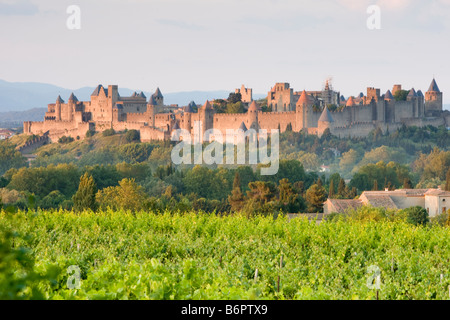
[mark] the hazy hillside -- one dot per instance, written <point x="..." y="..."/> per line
<point x="13" y="119"/>
<point x="21" y="96"/>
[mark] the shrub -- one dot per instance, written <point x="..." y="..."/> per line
<point x="416" y="215"/>
<point x="89" y="133"/>
<point x="132" y="135"/>
<point x="108" y="132"/>
<point x="65" y="139"/>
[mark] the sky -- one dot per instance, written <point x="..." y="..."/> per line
<point x="187" y="45"/>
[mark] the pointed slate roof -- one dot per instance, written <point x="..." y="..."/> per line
<point x="361" y="94"/>
<point x="326" y="115"/>
<point x="433" y="86"/>
<point x="419" y="93"/>
<point x="73" y="98"/>
<point x="388" y="95"/>
<point x="97" y="90"/>
<point x="188" y="108"/>
<point x="342" y="98"/>
<point x="59" y="100"/>
<point x="192" y="104"/>
<point x="158" y="93"/>
<point x="142" y="95"/>
<point x="412" y="93"/>
<point x="243" y="127"/>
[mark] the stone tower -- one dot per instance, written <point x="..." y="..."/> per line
<point x="72" y="104"/>
<point x="206" y="116"/>
<point x="396" y="88"/>
<point x="188" y="111"/>
<point x="325" y="121"/>
<point x="246" y="94"/>
<point x="59" y="101"/>
<point x="252" y="116"/>
<point x="433" y="99"/>
<point x="303" y="112"/>
<point x="158" y="98"/>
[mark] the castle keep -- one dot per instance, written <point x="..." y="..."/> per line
<point x="307" y="111"/>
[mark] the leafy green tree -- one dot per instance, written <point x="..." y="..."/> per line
<point x="262" y="191"/>
<point x="237" y="107"/>
<point x="315" y="197"/>
<point x="54" y="199"/>
<point x="290" y="201"/>
<point x="10" y="157"/>
<point x="43" y="180"/>
<point x="349" y="160"/>
<point x="128" y="195"/>
<point x="401" y="95"/>
<point x="234" y="97"/>
<point x="84" y="198"/>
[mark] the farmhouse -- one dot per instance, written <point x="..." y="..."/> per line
<point x="435" y="201"/>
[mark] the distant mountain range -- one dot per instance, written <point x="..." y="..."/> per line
<point x="21" y="96"/>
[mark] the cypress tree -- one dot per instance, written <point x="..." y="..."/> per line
<point x="84" y="198"/>
<point x="236" y="199"/>
<point x="407" y="184"/>
<point x="341" y="188"/>
<point x="447" y="184"/>
<point x="331" y="190"/>
<point x="375" y="185"/>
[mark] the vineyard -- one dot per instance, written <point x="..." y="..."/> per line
<point x="121" y="255"/>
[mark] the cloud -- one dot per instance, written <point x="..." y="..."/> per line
<point x="18" y="8"/>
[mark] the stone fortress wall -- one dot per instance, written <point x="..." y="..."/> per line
<point x="354" y="117"/>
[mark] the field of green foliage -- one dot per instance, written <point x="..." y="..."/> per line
<point x="123" y="255"/>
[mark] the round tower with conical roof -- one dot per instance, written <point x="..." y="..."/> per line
<point x="59" y="101"/>
<point x="325" y="121"/>
<point x="252" y="116"/>
<point x="206" y="116"/>
<point x="304" y="112"/>
<point x="72" y="103"/>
